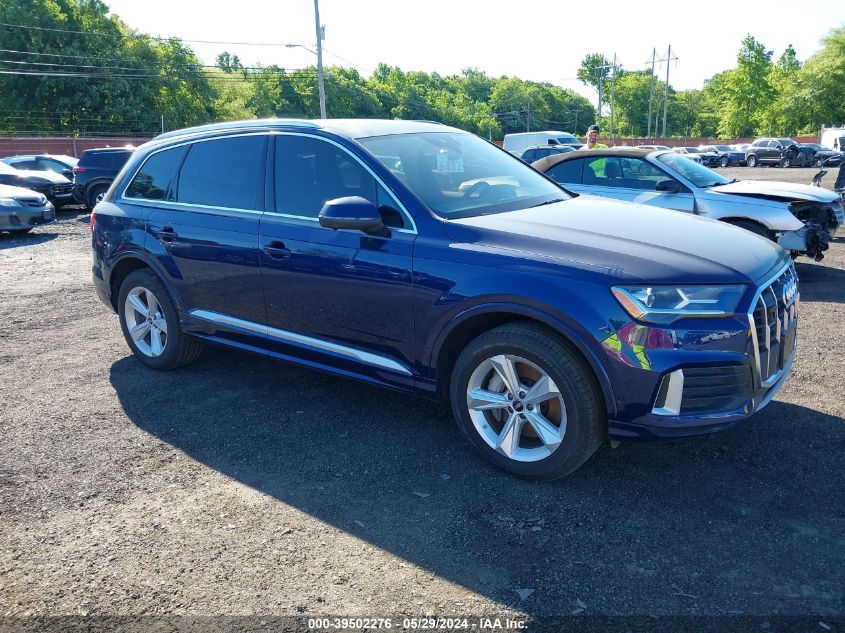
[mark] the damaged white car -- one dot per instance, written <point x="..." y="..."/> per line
<point x="801" y="218"/>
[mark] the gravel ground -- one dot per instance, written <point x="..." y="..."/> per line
<point x="242" y="486"/>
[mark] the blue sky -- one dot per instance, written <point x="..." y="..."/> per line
<point x="539" y="41"/>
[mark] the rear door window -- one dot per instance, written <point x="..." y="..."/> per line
<point x="153" y="180"/>
<point x="227" y="172"/>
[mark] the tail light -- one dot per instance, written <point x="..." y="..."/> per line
<point x="79" y="170"/>
<point x="93" y="217"/>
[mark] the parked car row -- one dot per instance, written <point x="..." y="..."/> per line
<point x="61" y="181"/>
<point x="422" y="258"/>
<point x="782" y="152"/>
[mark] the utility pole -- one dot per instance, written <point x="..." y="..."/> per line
<point x="528" y="118"/>
<point x="162" y="124"/>
<point x="612" y="97"/>
<point x="575" y="129"/>
<point x="599" y="81"/>
<point x="320" y="37"/>
<point x="668" y="60"/>
<point x="651" y="90"/>
<point x="665" y="89"/>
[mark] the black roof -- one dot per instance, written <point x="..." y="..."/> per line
<point x="629" y="152"/>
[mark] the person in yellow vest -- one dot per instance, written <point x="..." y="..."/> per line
<point x="593" y="143"/>
<point x="593" y="139"/>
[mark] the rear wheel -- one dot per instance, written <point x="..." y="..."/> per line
<point x="150" y="323"/>
<point x="751" y="161"/>
<point x="96" y="195"/>
<point x="527" y="402"/>
<point x="724" y="161"/>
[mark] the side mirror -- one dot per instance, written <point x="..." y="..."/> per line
<point x="353" y="212"/>
<point x="668" y="186"/>
<point x="67" y="173"/>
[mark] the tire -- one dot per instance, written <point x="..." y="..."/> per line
<point x="95" y="195"/>
<point x="753" y="227"/>
<point x="751" y="161"/>
<point x="572" y="422"/>
<point x="724" y="161"/>
<point x="174" y="348"/>
<point x="786" y="162"/>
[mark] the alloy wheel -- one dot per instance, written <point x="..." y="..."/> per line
<point x="516" y="408"/>
<point x="145" y="321"/>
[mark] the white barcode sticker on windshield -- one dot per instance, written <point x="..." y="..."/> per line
<point x="446" y="165"/>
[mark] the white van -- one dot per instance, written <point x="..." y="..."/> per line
<point x="519" y="142"/>
<point x="832" y="138"/>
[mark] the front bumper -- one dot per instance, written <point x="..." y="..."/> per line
<point x="704" y="375"/>
<point x="22" y="217"/>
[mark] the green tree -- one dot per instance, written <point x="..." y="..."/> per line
<point x="822" y="83"/>
<point x="746" y="90"/>
<point x="594" y="72"/>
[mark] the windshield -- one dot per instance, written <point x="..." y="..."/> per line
<point x="460" y="175"/>
<point x="723" y="148"/>
<point x="567" y="138"/>
<point x="691" y="150"/>
<point x="696" y="173"/>
<point x="7" y="169"/>
<point x="786" y="142"/>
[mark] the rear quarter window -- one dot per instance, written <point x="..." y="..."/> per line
<point x="153" y="180"/>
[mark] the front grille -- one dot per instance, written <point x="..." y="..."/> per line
<point x="774" y="322"/>
<point x="58" y="190"/>
<point x="715" y="389"/>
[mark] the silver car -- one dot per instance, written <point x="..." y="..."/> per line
<point x="21" y="210"/>
<point x="801" y="218"/>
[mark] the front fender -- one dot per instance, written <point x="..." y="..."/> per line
<point x="774" y="215"/>
<point x="562" y="324"/>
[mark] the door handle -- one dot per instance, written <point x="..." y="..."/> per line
<point x="167" y="235"/>
<point x="277" y="250"/>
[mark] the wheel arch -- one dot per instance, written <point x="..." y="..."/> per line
<point x="472" y="323"/>
<point x="128" y="263"/>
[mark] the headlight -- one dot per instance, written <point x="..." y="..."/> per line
<point x="8" y="202"/>
<point x="665" y="304"/>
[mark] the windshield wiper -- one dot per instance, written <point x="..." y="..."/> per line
<point x="713" y="184"/>
<point x="548" y="202"/>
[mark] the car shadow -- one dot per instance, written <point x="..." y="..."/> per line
<point x="819" y="282"/>
<point x="743" y="517"/>
<point x="14" y="240"/>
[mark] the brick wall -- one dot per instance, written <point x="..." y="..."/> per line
<point x="60" y="145"/>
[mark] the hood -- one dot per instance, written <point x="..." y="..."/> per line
<point x="777" y="190"/>
<point x="50" y="176"/>
<point x="623" y="241"/>
<point x="8" y="191"/>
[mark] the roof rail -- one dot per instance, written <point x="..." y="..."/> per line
<point x="237" y="125"/>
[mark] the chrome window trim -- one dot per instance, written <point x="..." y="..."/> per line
<point x="124" y="198"/>
<point x="352" y="353"/>
<point x="376" y="177"/>
<point x="149" y="202"/>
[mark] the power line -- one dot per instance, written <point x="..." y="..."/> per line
<point x="139" y="61"/>
<point x="134" y="35"/>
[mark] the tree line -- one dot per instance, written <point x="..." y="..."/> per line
<point x="58" y="78"/>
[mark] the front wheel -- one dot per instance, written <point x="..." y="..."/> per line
<point x="528" y="402"/>
<point x="150" y="323"/>
<point x="786" y="162"/>
<point x="724" y="161"/>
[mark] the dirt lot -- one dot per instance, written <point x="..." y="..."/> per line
<point x="243" y="486"/>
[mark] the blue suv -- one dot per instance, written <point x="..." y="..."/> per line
<point x="422" y="258"/>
